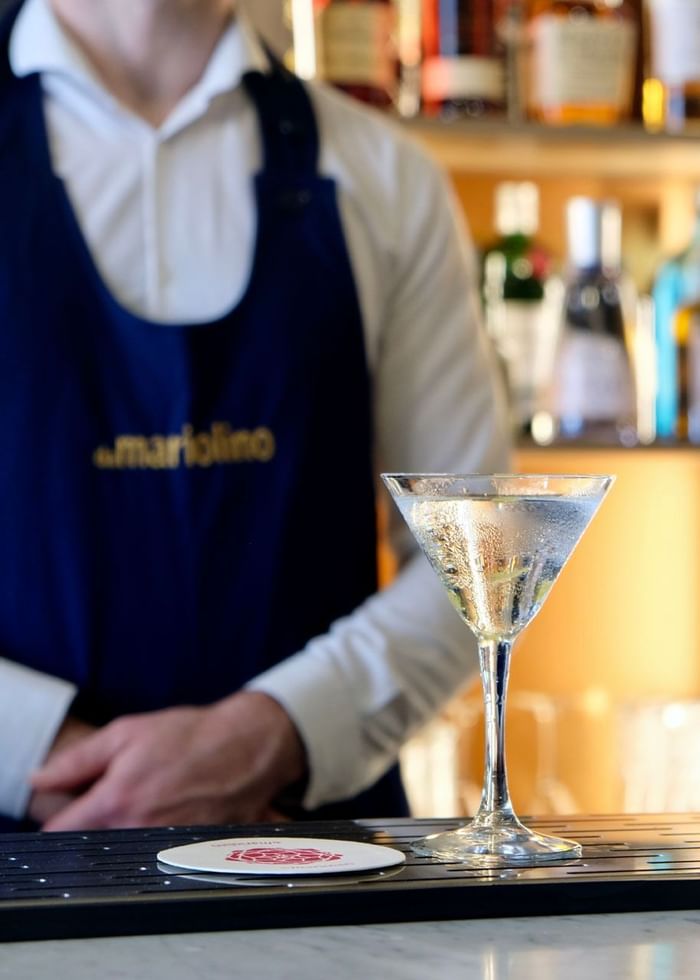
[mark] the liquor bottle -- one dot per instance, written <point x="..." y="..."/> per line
<point x="510" y="29"/>
<point x="638" y="325"/>
<point x="520" y="306"/>
<point x="356" y="49"/>
<point x="582" y="61"/>
<point x="593" y="394"/>
<point x="348" y="43"/>
<point x="672" y="91"/>
<point x="677" y="283"/>
<point x="409" y="48"/>
<point x="463" y="63"/>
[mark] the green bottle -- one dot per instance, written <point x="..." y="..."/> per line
<point x="521" y="299"/>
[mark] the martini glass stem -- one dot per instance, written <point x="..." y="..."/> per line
<point x="494" y="662"/>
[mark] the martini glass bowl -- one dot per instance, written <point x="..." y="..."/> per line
<point x="497" y="544"/>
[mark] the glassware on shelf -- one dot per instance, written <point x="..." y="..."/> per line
<point x="658" y="759"/>
<point x="592" y="396"/>
<point x="462" y="73"/>
<point x="534" y="721"/>
<point x="497" y="544"/>
<point x="672" y="90"/>
<point x="430" y="769"/>
<point x="521" y="299"/>
<point x="582" y="63"/>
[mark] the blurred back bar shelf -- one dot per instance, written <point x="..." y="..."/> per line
<point x="531" y="149"/>
<point x="652" y="175"/>
<point x="604" y="704"/>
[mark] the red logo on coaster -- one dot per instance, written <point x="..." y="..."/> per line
<point x="279" y="855"/>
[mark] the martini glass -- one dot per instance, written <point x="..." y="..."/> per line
<point x="498" y="544"/>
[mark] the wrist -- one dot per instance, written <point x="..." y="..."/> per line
<point x="276" y="748"/>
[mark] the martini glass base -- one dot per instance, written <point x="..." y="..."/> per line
<point x="490" y="847"/>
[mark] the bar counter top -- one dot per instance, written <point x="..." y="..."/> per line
<point x="101" y="904"/>
<point x="632" y="946"/>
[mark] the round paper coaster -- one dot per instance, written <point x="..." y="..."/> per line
<point x="281" y="856"/>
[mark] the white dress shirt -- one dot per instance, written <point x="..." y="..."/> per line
<point x="169" y="216"/>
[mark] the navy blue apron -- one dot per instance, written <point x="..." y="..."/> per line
<point x="182" y="506"/>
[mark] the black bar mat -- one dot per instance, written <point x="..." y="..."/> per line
<point x="108" y="883"/>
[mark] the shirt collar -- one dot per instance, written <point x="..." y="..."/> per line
<point x="38" y="44"/>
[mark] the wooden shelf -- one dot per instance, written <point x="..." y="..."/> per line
<point x="530" y="149"/>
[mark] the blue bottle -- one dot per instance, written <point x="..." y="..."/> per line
<point x="677" y="284"/>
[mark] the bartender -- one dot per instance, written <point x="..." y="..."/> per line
<point x="228" y="301"/>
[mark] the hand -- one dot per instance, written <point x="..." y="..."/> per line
<point x="45" y="804"/>
<point x="218" y="764"/>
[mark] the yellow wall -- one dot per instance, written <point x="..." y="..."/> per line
<point x="621" y="626"/>
<point x="624" y="614"/>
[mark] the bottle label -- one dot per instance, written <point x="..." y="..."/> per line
<point x="356" y="44"/>
<point x="583" y="62"/>
<point x="593" y="380"/>
<point x="524" y="333"/>
<point x="675" y="40"/>
<point x="463" y="77"/>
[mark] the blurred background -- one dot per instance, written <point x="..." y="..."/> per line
<point x="570" y="133"/>
<point x="569" y="130"/>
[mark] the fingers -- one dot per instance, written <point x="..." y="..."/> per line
<point x="101" y="808"/>
<point x="184" y="766"/>
<point x="87" y="812"/>
<point x="77" y="765"/>
<point x="270" y="815"/>
<point x="71" y="731"/>
<point x="43" y="806"/>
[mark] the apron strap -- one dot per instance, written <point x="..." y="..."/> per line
<point x="287" y="120"/>
<point x="7" y="22"/>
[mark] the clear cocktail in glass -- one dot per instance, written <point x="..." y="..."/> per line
<point x="498" y="544"/>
